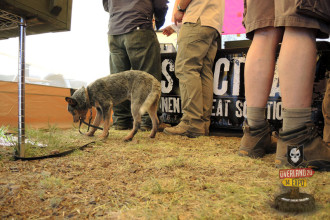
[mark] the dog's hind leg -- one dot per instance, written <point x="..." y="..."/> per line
<point x="137" y="120"/>
<point x="152" y="111"/>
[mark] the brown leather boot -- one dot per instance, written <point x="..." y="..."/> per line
<point x="256" y="142"/>
<point x="326" y="114"/>
<point x="183" y="130"/>
<point x="302" y="144"/>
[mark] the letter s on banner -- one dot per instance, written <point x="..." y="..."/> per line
<point x="169" y="87"/>
<point x="217" y="68"/>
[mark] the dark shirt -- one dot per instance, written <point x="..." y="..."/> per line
<point x="127" y="15"/>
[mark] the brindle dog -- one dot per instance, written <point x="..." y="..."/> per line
<point x="141" y="88"/>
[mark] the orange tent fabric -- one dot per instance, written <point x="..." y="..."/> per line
<point x="44" y="106"/>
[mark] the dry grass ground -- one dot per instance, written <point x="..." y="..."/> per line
<point x="162" y="178"/>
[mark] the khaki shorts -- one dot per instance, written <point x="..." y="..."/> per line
<point x="278" y="13"/>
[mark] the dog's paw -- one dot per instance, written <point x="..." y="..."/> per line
<point x="103" y="137"/>
<point x="128" y="138"/>
<point x="90" y="134"/>
<point x="152" y="134"/>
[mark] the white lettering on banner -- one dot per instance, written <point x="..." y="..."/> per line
<point x="216" y="79"/>
<point x="173" y="117"/>
<point x="237" y="74"/>
<point x="276" y="84"/>
<point x="226" y="107"/>
<point x="240" y="109"/>
<point x="169" y="87"/>
<point x="228" y="104"/>
<point x="219" y="109"/>
<point x="274" y="110"/>
<point x="237" y="61"/>
<point x="170" y="104"/>
<point x="222" y="107"/>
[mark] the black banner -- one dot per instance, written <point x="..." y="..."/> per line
<point x="229" y="106"/>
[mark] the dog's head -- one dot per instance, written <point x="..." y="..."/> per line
<point x="77" y="105"/>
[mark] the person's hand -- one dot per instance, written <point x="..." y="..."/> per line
<point x="178" y="16"/>
<point x="168" y="31"/>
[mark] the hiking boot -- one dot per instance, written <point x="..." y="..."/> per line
<point x="326" y="133"/>
<point x="162" y="126"/>
<point x="256" y="142"/>
<point x="309" y="149"/>
<point x="181" y="129"/>
<point x="326" y="114"/>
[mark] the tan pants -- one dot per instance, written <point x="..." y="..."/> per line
<point x="197" y="47"/>
<point x="326" y="113"/>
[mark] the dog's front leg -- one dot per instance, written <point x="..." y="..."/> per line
<point x="96" y="122"/>
<point x="106" y="118"/>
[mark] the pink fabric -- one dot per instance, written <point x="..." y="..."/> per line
<point x="232" y="23"/>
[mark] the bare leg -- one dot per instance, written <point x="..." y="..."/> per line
<point x="260" y="65"/>
<point x="296" y="67"/>
<point x="259" y="73"/>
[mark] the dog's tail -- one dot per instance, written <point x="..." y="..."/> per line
<point x="153" y="97"/>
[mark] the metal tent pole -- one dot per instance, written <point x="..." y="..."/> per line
<point x="9" y="21"/>
<point x="21" y="88"/>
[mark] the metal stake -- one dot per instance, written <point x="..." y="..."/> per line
<point x="21" y="88"/>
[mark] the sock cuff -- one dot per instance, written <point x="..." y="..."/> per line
<point x="256" y="113"/>
<point x="296" y="112"/>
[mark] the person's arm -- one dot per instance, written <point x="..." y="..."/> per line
<point x="160" y="10"/>
<point x="180" y="10"/>
<point x="183" y="4"/>
<point x="168" y="31"/>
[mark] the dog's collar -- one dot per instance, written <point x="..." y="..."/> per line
<point x="87" y="99"/>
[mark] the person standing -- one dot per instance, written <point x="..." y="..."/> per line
<point x="197" y="46"/>
<point x="134" y="45"/>
<point x="268" y="23"/>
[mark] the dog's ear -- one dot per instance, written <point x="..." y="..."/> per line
<point x="71" y="101"/>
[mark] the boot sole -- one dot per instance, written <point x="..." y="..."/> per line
<point x="318" y="165"/>
<point x="187" y="134"/>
